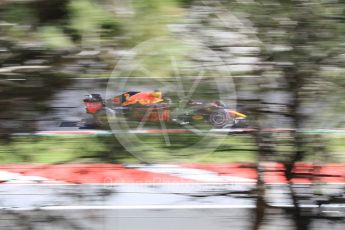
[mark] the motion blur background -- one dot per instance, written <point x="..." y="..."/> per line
<point x="285" y="61"/>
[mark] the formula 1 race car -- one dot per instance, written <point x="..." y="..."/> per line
<point x="153" y="107"/>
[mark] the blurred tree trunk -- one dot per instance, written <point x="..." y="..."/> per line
<point x="298" y="39"/>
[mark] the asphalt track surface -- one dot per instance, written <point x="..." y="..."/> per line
<point x="173" y="206"/>
<point x="188" y="196"/>
<point x="96" y="197"/>
<point x="148" y="219"/>
<point x="129" y="207"/>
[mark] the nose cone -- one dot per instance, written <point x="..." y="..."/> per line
<point x="237" y="114"/>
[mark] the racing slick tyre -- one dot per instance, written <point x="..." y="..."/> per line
<point x="221" y="119"/>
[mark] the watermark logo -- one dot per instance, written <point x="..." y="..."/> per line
<point x="173" y="97"/>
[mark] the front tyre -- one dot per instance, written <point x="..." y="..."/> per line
<point x="221" y="119"/>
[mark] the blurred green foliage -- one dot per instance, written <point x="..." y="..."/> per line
<point x="90" y="149"/>
<point x="93" y="22"/>
<point x="54" y="37"/>
<point x="151" y="18"/>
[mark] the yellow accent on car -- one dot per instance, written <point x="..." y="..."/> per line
<point x="239" y="114"/>
<point x="197" y="117"/>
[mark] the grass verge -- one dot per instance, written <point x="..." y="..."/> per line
<point x="107" y="149"/>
